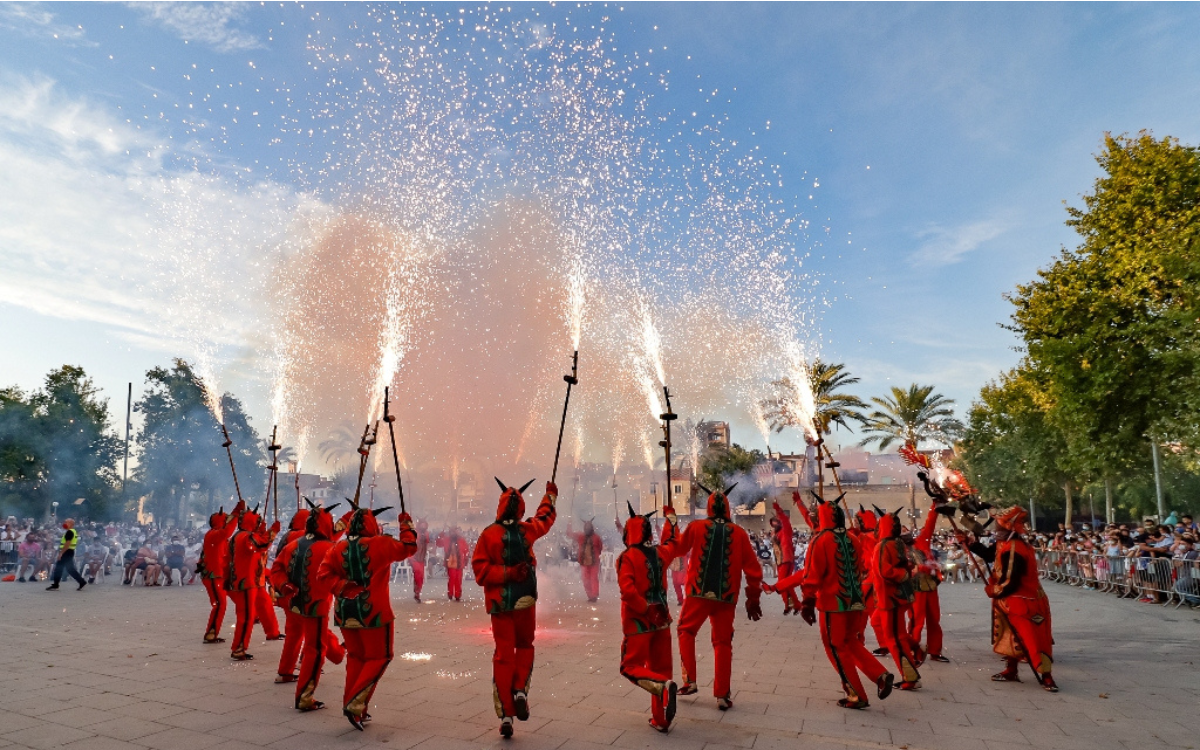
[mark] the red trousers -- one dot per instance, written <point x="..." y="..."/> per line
<point x="418" y="570"/>
<point x="512" y="661"/>
<point x="454" y="584"/>
<point x="841" y="632"/>
<point x="318" y="642"/>
<point x="293" y="639"/>
<point x="790" y="600"/>
<point x="264" y="612"/>
<point x="889" y="628"/>
<point x="591" y="580"/>
<point x="368" y="654"/>
<point x="217" y="603"/>
<point x="1029" y="621"/>
<point x="243" y="609"/>
<point x="646" y="662"/>
<point x="720" y="617"/>
<point x="927" y="613"/>
<point x="677" y="580"/>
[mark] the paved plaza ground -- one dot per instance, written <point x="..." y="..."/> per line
<point x="115" y="668"/>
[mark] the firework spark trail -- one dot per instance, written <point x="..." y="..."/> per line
<point x="798" y="373"/>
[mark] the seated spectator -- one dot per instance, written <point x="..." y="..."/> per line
<point x="29" y="555"/>
<point x="94" y="560"/>
<point x="173" y="555"/>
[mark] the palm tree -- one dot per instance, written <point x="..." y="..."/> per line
<point x="913" y="416"/>
<point x="832" y="407"/>
<point x="340" y="443"/>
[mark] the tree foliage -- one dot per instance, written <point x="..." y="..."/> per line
<point x="914" y="415"/>
<point x="833" y="406"/>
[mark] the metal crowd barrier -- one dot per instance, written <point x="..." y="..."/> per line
<point x="1166" y="580"/>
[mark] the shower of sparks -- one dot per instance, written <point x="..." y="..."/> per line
<point x="760" y="421"/>
<point x="475" y="192"/>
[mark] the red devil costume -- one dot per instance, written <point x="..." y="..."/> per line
<point x="264" y="603"/>
<point x="1020" y="610"/>
<point x="927" y="576"/>
<point x="214" y="565"/>
<point x="720" y="554"/>
<point x="588" y="546"/>
<point x="417" y="561"/>
<point x="679" y="575"/>
<point x="891" y="579"/>
<point x="832" y="583"/>
<point x="645" y="616"/>
<point x="247" y="567"/>
<point x="784" y="550"/>
<point x="295" y="575"/>
<point x="454" y="557"/>
<point x="506" y="567"/>
<point x="357" y="570"/>
<point x="292" y="626"/>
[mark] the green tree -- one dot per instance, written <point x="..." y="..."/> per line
<point x="833" y="407"/>
<point x="180" y="448"/>
<point x="916" y="415"/>
<point x="22" y="463"/>
<point x="720" y="466"/>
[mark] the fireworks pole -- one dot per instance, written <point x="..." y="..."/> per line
<point x="667" y="418"/>
<point x="836" y="479"/>
<point x="364" y="451"/>
<point x="391" y="419"/>
<point x="296" y="475"/>
<point x="273" y="482"/>
<point x="571" y="379"/>
<point x="820" y="445"/>
<point x="228" y="442"/>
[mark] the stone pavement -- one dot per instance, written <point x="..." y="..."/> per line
<point x="115" y="668"/>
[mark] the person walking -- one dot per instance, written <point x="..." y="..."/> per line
<point x="66" y="557"/>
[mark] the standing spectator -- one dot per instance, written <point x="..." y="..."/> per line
<point x="66" y="557"/>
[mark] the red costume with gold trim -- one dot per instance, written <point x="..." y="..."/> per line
<point x="720" y="554"/>
<point x="832" y="583"/>
<point x="295" y="576"/>
<point x="264" y="602"/>
<point x="357" y="570"/>
<point x="891" y="578"/>
<point x="506" y="568"/>
<point x="588" y="546"/>
<point x="927" y="576"/>
<point x="784" y="550"/>
<point x="214" y="565"/>
<point x="420" y="557"/>
<point x="247" y="567"/>
<point x="646" y="616"/>
<point x="454" y="558"/>
<point x="293" y="635"/>
<point x="1021" y="628"/>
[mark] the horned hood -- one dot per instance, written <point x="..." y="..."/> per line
<point x="217" y="520"/>
<point x="365" y="522"/>
<point x="249" y="520"/>
<point x="866" y="519"/>
<point x="299" y="521"/>
<point x="512" y="504"/>
<point x="889" y="526"/>
<point x="320" y="522"/>
<point x="638" y="529"/>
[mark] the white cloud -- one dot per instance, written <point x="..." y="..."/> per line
<point x="34" y="20"/>
<point x="944" y="246"/>
<point x="207" y="23"/>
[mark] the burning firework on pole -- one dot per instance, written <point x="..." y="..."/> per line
<point x="571" y="380"/>
<point x="273" y="471"/>
<point x="667" y="418"/>
<point x="391" y="419"/>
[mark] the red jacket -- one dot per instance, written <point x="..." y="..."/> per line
<point x="454" y="549"/>
<point x="588" y="547"/>
<point x="424" y="542"/>
<point x="642" y="577"/>
<point x="720" y="554"/>
<point x="357" y="570"/>
<point x="891" y="570"/>
<point x="927" y="574"/>
<point x="503" y="561"/>
<point x="248" y="553"/>
<point x="785" y="548"/>
<point x="833" y="574"/>
<point x="214" y="555"/>
<point x="295" y="573"/>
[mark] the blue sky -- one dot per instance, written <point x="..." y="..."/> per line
<point x="938" y="142"/>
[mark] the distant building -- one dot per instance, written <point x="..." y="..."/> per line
<point x="714" y="434"/>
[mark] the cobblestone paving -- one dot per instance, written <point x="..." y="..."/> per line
<point x="116" y="668"/>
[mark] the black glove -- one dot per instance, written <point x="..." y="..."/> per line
<point x="753" y="610"/>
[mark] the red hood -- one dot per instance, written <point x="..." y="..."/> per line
<point x="249" y="521"/>
<point x="363" y="523"/>
<point x="319" y="523"/>
<point x="299" y="521"/>
<point x="867" y="519"/>
<point x="511" y="505"/>
<point x="889" y="526"/>
<point x="718" y="506"/>
<point x="217" y="520"/>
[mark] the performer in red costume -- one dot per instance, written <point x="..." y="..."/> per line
<point x="357" y="570"/>
<point x="588" y="546"/>
<point x="866" y="537"/>
<point x="264" y="603"/>
<point x="295" y="576"/>
<point x="293" y="631"/>
<point x="454" y="557"/>
<point x="832" y="582"/>
<point x="927" y="575"/>
<point x="214" y="565"/>
<point x="506" y="567"/>
<point x="891" y="579"/>
<point x="679" y="574"/>
<point x="784" y="550"/>
<point x="645" y="615"/>
<point x="247" y="565"/>
<point x="1020" y="610"/>
<point x="417" y="561"/>
<point x="721" y="553"/>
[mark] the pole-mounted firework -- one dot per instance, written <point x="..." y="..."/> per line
<point x="228" y="442"/>
<point x="296" y="475"/>
<point x="571" y="379"/>
<point x="390" y="419"/>
<point x="273" y="479"/>
<point x="667" y="418"/>
<point x="364" y="451"/>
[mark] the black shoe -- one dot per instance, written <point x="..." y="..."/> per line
<point x="52" y="587"/>
<point x="881" y="651"/>
<point x="81" y="586"/>
<point x="91" y="579"/>
<point x="21" y="579"/>
<point x="939" y="658"/>
<point x="884" y="684"/>
<point x="506" y="727"/>
<point x="355" y="721"/>
<point x="672" y="704"/>
<point x="521" y="705"/>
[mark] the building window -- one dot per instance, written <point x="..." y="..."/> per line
<point x="678" y="488"/>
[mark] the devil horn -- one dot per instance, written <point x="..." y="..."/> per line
<point x="331" y="507"/>
<point x="630" y="506"/>
<point x="255" y="511"/>
<point x="310" y="504"/>
<point x="526" y="485"/>
<point x="839" y="498"/>
<point x="861" y="509"/>
<point x="729" y="489"/>
<point x="647" y="516"/>
<point x="880" y="512"/>
<point x="221" y="509"/>
<point x="376" y="512"/>
<point x="352" y="503"/>
<point x="816" y="496"/>
<point x="707" y="491"/>
<point x="503" y="486"/>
